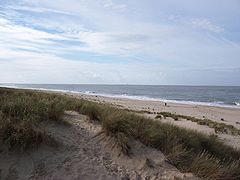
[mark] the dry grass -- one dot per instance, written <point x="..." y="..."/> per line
<point x="182" y="147"/>
<point x="188" y="150"/>
<point x="22" y="111"/>
<point x="218" y="127"/>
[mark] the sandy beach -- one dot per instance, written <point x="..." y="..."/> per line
<point x="225" y="115"/>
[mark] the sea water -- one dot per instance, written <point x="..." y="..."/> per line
<point x="226" y="96"/>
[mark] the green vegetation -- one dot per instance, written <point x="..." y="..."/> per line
<point x="20" y="114"/>
<point x="189" y="151"/>
<point x="218" y="127"/>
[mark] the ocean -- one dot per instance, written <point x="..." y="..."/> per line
<point x="224" y="96"/>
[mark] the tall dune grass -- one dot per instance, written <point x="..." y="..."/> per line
<point x="20" y="114"/>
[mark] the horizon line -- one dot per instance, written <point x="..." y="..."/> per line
<point x="125" y="84"/>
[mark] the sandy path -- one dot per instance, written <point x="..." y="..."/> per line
<point x="76" y="158"/>
<point x="83" y="155"/>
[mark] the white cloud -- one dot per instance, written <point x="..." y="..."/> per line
<point x="57" y="70"/>
<point x="36" y="9"/>
<point x="207" y="25"/>
<point x="110" y="4"/>
<point x="30" y="51"/>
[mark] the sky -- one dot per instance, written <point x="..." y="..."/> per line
<point x="170" y="42"/>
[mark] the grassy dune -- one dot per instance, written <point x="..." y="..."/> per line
<point x="218" y="127"/>
<point x="205" y="156"/>
<point x="20" y="115"/>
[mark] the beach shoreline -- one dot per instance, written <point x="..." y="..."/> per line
<point x="91" y="92"/>
<point x="228" y="116"/>
<point x="149" y="108"/>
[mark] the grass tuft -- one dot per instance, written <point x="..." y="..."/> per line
<point x="21" y="111"/>
<point x="218" y="127"/>
<point x="21" y="136"/>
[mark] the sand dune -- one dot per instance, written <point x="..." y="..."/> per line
<point x="85" y="153"/>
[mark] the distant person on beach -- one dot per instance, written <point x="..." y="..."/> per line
<point x="165" y="104"/>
